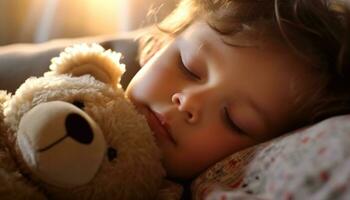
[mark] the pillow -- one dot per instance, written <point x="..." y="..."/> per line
<point x="20" y="61"/>
<point x="309" y="163"/>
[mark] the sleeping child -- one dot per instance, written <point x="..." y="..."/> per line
<point x="219" y="76"/>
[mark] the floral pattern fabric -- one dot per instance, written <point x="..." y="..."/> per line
<point x="310" y="163"/>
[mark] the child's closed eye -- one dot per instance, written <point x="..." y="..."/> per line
<point x="186" y="70"/>
<point x="230" y="122"/>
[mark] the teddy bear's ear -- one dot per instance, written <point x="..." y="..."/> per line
<point x="92" y="59"/>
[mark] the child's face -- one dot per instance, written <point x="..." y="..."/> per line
<point x="205" y="99"/>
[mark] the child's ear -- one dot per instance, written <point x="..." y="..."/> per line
<point x="89" y="59"/>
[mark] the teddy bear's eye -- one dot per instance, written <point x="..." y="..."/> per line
<point x="111" y="153"/>
<point x="79" y="104"/>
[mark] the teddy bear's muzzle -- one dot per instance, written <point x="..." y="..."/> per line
<point x="61" y="144"/>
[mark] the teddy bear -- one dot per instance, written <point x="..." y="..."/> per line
<point x="72" y="134"/>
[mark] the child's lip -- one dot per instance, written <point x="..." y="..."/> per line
<point x="158" y="124"/>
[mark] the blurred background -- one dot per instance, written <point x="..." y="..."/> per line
<point x="36" y="21"/>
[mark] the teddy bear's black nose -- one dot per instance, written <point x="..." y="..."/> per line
<point x="79" y="129"/>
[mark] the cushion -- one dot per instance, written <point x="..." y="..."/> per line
<point x="309" y="163"/>
<point x="20" y="61"/>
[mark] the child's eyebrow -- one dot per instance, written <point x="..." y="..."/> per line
<point x="235" y="45"/>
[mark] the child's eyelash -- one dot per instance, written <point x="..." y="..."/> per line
<point x="230" y="122"/>
<point x="187" y="71"/>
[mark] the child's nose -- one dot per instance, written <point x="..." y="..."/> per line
<point x="187" y="105"/>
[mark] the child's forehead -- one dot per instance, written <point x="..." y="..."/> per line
<point x="201" y="36"/>
<point x="200" y="39"/>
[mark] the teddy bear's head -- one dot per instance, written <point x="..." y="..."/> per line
<point x="73" y="134"/>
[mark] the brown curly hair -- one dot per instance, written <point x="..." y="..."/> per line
<point x="316" y="30"/>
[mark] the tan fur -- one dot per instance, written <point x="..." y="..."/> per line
<point x="136" y="173"/>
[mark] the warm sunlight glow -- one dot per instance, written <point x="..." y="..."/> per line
<point x="103" y="14"/>
<point x="74" y="18"/>
<point x="43" y="20"/>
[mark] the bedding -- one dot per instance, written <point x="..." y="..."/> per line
<point x="309" y="163"/>
<point x="20" y="61"/>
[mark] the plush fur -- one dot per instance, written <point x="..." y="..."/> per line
<point x="45" y="154"/>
